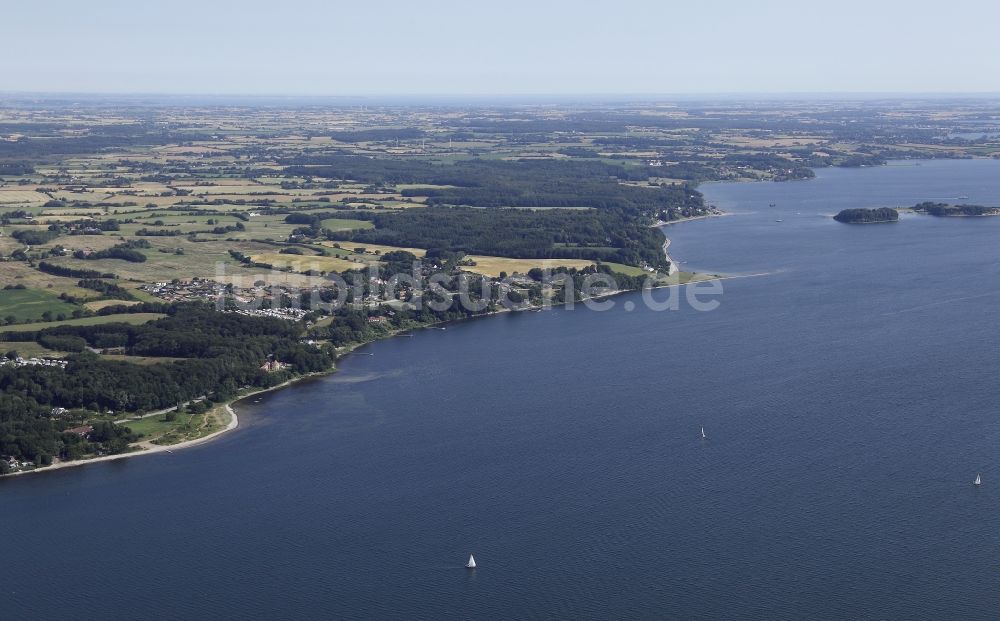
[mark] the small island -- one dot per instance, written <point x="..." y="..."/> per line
<point x="945" y="210"/>
<point x="867" y="216"/>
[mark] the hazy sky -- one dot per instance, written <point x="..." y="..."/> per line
<point x="301" y="47"/>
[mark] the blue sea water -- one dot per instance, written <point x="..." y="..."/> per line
<point x="848" y="395"/>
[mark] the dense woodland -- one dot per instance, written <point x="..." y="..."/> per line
<point x="606" y="234"/>
<point x="497" y="183"/>
<point x="944" y="209"/>
<point x="867" y="216"/>
<point x="222" y="352"/>
<point x="471" y="207"/>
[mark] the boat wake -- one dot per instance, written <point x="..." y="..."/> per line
<point x="940" y="303"/>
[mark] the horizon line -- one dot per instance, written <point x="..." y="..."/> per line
<point x="519" y="95"/>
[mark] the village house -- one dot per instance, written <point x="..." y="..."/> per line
<point x="273" y="366"/>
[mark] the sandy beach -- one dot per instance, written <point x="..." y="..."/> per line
<point x="148" y="448"/>
<point x="144" y="448"/>
<point x="662" y="223"/>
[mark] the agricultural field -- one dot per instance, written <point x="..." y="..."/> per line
<point x="135" y="215"/>
<point x="301" y="264"/>
<point x="32" y="304"/>
<point x="97" y="305"/>
<point x="628" y="270"/>
<point x="493" y="266"/>
<point x="30" y="349"/>
<point x="375" y="249"/>
<point x="130" y="318"/>
<point x="21" y="197"/>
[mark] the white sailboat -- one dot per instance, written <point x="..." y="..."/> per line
<point x="472" y="562"/>
<point x="978" y="480"/>
<point x="703" y="436"/>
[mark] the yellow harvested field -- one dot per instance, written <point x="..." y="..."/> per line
<point x="770" y="142"/>
<point x="278" y="198"/>
<point x="9" y="197"/>
<point x="18" y="272"/>
<point x="160" y="201"/>
<point x="97" y="305"/>
<point x="492" y="266"/>
<point x="299" y="263"/>
<point x="8" y="245"/>
<point x="67" y="217"/>
<point x="90" y="196"/>
<point x="242" y="188"/>
<point x="181" y="150"/>
<point x="85" y="242"/>
<point x="422" y="186"/>
<point x="373" y="248"/>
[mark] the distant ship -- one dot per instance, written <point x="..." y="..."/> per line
<point x="978" y="480"/>
<point x="472" y="562"/>
<point x="703" y="436"/>
<point x="779" y="220"/>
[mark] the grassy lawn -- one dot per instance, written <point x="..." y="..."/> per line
<point x="628" y="270"/>
<point x="131" y="318"/>
<point x="681" y="278"/>
<point x="337" y="224"/>
<point x="30" y="350"/>
<point x="187" y="426"/>
<point x="29" y="304"/>
<point x="141" y="360"/>
<point x="156" y="426"/>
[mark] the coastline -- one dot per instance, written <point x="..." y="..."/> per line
<point x="660" y="224"/>
<point x="147" y="448"/>
<point x="663" y="223"/>
<point x="672" y="269"/>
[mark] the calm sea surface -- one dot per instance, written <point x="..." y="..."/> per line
<point x="849" y="397"/>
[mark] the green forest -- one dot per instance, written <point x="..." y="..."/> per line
<point x="944" y="209"/>
<point x="221" y="353"/>
<point x="867" y="216"/>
